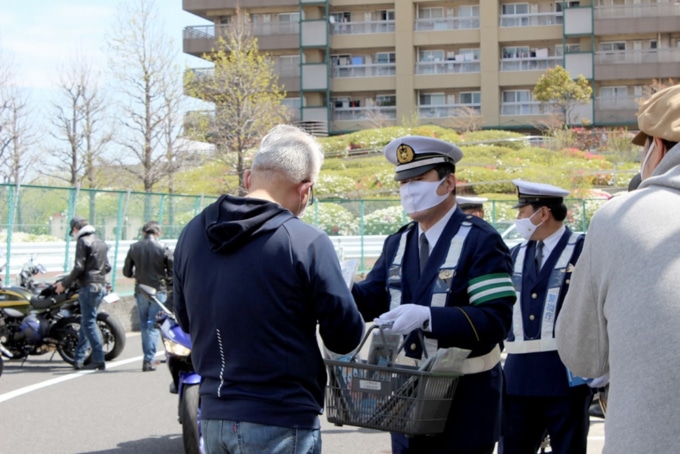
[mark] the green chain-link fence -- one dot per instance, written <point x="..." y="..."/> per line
<point x="36" y="220"/>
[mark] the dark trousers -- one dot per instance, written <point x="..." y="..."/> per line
<point x="565" y="418"/>
<point x="429" y="445"/>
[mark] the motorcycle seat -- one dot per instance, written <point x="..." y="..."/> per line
<point x="41" y="302"/>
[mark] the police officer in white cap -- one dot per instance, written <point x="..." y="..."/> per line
<point x="447" y="274"/>
<point x="540" y="395"/>
<point x="472" y="205"/>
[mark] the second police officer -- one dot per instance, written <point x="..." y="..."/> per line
<point x="540" y="395"/>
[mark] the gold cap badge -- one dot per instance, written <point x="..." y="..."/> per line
<point x="405" y="154"/>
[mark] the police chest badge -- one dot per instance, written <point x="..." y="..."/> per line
<point x="405" y="154"/>
<point x="570" y="268"/>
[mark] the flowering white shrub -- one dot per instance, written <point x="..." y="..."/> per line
<point x="385" y="221"/>
<point x="332" y="218"/>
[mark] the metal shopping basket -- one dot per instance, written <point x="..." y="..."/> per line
<point x="394" y="398"/>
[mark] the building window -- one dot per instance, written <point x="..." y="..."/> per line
<point x="431" y="55"/>
<point x="516" y="52"/>
<point x="613" y="46"/>
<point x="516" y="96"/>
<point x="289" y="17"/>
<point x="470" y="97"/>
<point x="339" y="17"/>
<point x="432" y="99"/>
<point x="468" y="11"/>
<point x="513" y="9"/>
<point x="386" y="100"/>
<point x="560" y="50"/>
<point x="385" y="57"/>
<point x="430" y="13"/>
<point x="386" y="15"/>
<point x="613" y="92"/>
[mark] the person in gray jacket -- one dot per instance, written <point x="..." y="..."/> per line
<point x="89" y="272"/>
<point x="622" y="313"/>
<point x="150" y="263"/>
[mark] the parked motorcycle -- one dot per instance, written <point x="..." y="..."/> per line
<point x="37" y="323"/>
<point x="185" y="380"/>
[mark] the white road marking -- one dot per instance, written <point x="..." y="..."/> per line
<point x="27" y="389"/>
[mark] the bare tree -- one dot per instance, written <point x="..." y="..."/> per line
<point x="142" y="61"/>
<point x="19" y="151"/>
<point x="465" y="119"/>
<point x="6" y="88"/>
<point x="80" y="121"/>
<point x="244" y="88"/>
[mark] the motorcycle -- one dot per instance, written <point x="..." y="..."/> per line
<point x="34" y="320"/>
<point x="185" y="380"/>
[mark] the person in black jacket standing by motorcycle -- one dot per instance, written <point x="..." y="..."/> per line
<point x="150" y="263"/>
<point x="89" y="272"/>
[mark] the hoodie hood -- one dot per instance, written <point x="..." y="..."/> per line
<point x="87" y="229"/>
<point x="231" y="221"/>
<point x="667" y="173"/>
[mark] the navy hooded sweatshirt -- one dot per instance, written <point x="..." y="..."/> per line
<point x="251" y="283"/>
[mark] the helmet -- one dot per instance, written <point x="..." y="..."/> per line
<point x="33" y="328"/>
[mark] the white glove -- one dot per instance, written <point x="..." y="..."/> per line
<point x="405" y="319"/>
<point x="599" y="382"/>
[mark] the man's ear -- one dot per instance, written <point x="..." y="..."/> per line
<point x="246" y="179"/>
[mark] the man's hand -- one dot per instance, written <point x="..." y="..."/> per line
<point x="58" y="288"/>
<point x="405" y="319"/>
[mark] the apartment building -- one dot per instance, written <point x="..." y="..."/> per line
<point x="350" y="64"/>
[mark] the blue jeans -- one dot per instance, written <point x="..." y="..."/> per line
<point x="233" y="437"/>
<point x="147" y="324"/>
<point x="90" y="298"/>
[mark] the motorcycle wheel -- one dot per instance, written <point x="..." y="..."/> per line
<point x="188" y="416"/>
<point x="113" y="335"/>
<point x="68" y="339"/>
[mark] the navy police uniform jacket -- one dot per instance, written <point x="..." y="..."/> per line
<point x="470" y="313"/>
<point x="540" y="373"/>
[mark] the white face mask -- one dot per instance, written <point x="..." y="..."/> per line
<point x="644" y="161"/>
<point x="525" y="227"/>
<point x="421" y="195"/>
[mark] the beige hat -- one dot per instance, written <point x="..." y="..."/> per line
<point x="659" y="116"/>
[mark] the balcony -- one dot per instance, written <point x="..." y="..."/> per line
<point x="201" y="39"/>
<point x="531" y="20"/>
<point x="448" y="110"/>
<point x="448" y="23"/>
<point x="526" y="108"/>
<point x="615" y="110"/>
<point x="289" y="76"/>
<point x="370" y="70"/>
<point x="202" y="8"/>
<point x="640" y="18"/>
<point x="364" y="113"/>
<point x="529" y="63"/>
<point x="637" y="64"/>
<point x="447" y="67"/>
<point x="362" y="28"/>
<point x="640" y="10"/>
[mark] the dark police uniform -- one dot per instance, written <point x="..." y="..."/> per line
<point x="539" y="395"/>
<point x="466" y="283"/>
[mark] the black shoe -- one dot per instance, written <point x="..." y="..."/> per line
<point x="77" y="366"/>
<point x="94" y="366"/>
<point x="148" y="367"/>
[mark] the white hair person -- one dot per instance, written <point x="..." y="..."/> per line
<point x="291" y="152"/>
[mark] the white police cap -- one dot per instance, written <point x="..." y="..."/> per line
<point x="470" y="201"/>
<point x="415" y="155"/>
<point x="545" y="194"/>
